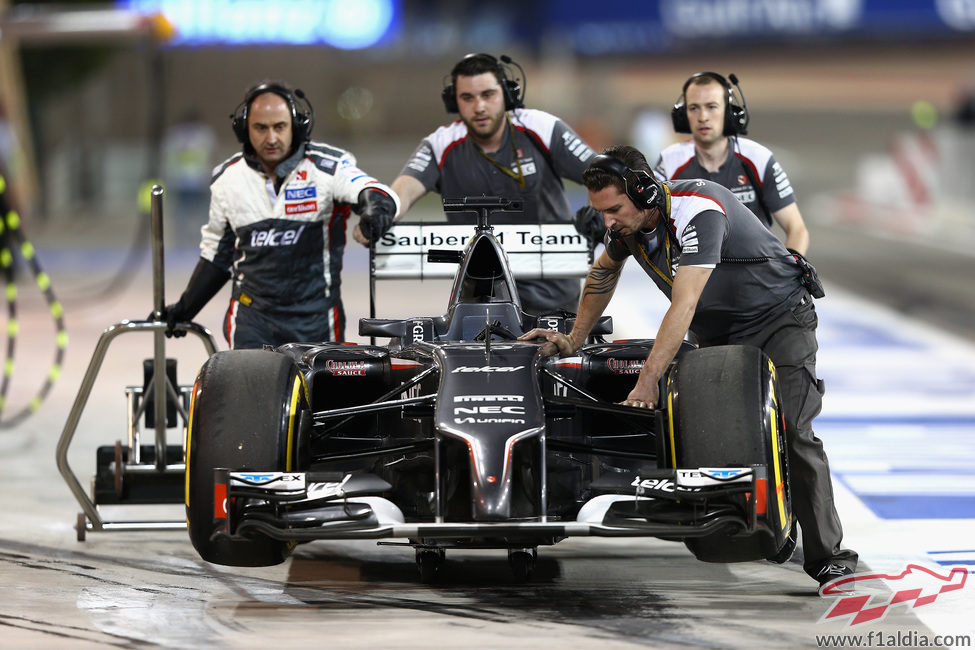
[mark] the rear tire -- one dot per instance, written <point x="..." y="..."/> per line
<point x="726" y="414"/>
<point x="244" y="416"/>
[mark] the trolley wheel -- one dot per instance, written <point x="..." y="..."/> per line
<point x="119" y="468"/>
<point x="81" y="527"/>
<point x="522" y="563"/>
<point x="428" y="562"/>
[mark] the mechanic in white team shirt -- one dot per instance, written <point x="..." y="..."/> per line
<point x="278" y="213"/>
<point x="500" y="148"/>
<point x="729" y="281"/>
<point x="718" y="152"/>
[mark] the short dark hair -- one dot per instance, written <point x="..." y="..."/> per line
<point x="706" y="79"/>
<point x="475" y="64"/>
<point x="597" y="178"/>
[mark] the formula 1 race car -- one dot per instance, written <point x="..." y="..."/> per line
<point x="455" y="435"/>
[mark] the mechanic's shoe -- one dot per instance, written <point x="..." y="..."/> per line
<point x="785" y="553"/>
<point x="832" y="571"/>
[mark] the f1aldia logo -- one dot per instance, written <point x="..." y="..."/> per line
<point x="867" y="597"/>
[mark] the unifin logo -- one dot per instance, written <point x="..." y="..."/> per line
<point x="275" y="237"/>
<point x="486" y="369"/>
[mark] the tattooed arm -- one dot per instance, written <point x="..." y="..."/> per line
<point x="596" y="294"/>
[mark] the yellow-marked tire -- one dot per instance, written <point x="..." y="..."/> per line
<point x="244" y="416"/>
<point x="725" y="414"/>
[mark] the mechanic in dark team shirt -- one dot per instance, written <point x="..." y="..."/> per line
<point x="499" y="148"/>
<point x="717" y="152"/>
<point x="278" y="212"/>
<point x="729" y="281"/>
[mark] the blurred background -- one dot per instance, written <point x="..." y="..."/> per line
<point x="868" y="104"/>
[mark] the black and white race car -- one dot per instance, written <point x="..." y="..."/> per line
<point x="455" y="435"/>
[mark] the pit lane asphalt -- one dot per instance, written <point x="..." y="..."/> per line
<point x="151" y="590"/>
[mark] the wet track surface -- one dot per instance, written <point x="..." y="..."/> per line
<point x="133" y="590"/>
<point x="123" y="592"/>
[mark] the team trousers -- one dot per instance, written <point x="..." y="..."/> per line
<point x="790" y="341"/>
<point x="246" y="327"/>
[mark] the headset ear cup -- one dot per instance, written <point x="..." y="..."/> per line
<point x="678" y="115"/>
<point x="449" y="97"/>
<point x="299" y="129"/>
<point x="512" y="95"/>
<point x="736" y="120"/>
<point x="238" y="122"/>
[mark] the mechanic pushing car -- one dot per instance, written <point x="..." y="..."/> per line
<point x="278" y="211"/>
<point x="729" y="281"/>
<point x="500" y="148"/>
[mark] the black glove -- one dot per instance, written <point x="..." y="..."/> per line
<point x="589" y="223"/>
<point x="207" y="279"/>
<point x="376" y="210"/>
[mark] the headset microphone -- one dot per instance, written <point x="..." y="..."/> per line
<point x="743" y="117"/>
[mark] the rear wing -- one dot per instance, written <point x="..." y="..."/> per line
<point x="534" y="251"/>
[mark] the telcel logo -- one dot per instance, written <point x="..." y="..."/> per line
<point x="275" y="237"/>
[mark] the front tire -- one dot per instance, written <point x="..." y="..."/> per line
<point x="244" y="416"/>
<point x="725" y="414"/>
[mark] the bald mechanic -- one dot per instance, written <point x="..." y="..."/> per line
<point x="691" y="238"/>
<point x="278" y="213"/>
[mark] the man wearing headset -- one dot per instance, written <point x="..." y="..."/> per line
<point x="499" y="148"/>
<point x="729" y="281"/>
<point x="278" y="211"/>
<point x="717" y="152"/>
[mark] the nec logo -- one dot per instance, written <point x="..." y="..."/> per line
<point x="274" y="237"/>
<point x="299" y="193"/>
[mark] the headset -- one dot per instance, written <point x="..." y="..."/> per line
<point x="735" y="115"/>
<point x="641" y="186"/>
<point x="302" y="118"/>
<point x="511" y="89"/>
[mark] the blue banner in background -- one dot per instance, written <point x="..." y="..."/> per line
<point x="340" y="23"/>
<point x="620" y="26"/>
<point x="589" y="28"/>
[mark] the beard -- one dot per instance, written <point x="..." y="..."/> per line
<point x="487" y="129"/>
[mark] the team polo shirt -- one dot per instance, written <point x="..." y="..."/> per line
<point x="450" y="163"/>
<point x="755" y="279"/>
<point x="679" y="161"/>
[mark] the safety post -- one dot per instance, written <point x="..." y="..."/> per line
<point x="159" y="336"/>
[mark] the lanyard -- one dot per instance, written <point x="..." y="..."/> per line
<point x="519" y="177"/>
<point x="664" y="276"/>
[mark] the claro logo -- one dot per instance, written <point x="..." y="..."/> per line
<point x="486" y="369"/>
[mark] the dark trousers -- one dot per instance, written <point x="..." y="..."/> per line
<point x="790" y="341"/>
<point x="246" y="327"/>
